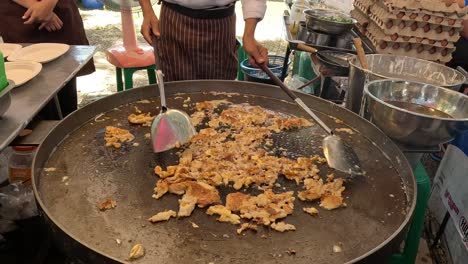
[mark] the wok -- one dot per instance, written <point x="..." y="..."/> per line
<point x="379" y="207"/>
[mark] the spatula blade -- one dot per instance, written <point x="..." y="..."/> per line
<point x="170" y="129"/>
<point x="340" y="156"/>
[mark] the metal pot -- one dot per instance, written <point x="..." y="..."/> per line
<point x="312" y="37"/>
<point x="397" y="67"/>
<point x="406" y="111"/>
<point x="5" y="98"/>
<point x="315" y="22"/>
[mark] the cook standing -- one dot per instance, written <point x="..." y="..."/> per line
<point x="197" y="39"/>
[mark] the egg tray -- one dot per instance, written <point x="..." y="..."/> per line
<point x="458" y="8"/>
<point x="382" y="12"/>
<point x="364" y="5"/>
<point x="395" y="38"/>
<point x="417" y="29"/>
<point x="426" y="52"/>
<point x="362" y="19"/>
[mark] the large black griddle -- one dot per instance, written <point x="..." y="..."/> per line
<point x="370" y="228"/>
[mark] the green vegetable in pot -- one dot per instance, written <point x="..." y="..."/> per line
<point x="337" y="19"/>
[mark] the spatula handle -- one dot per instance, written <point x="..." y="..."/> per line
<point x="295" y="98"/>
<point x="159" y="74"/>
<point x="360" y="52"/>
<point x="162" y="94"/>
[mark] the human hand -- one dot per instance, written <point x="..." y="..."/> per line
<point x="53" y="25"/>
<point x="257" y="53"/>
<point x="41" y="11"/>
<point x="149" y="27"/>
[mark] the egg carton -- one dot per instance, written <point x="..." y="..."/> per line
<point x="379" y="34"/>
<point x="364" y="5"/>
<point x="421" y="51"/>
<point x="417" y="29"/>
<point x="381" y="11"/>
<point x="362" y="19"/>
<point x="449" y="7"/>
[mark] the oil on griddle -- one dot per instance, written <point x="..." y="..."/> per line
<point x="376" y="206"/>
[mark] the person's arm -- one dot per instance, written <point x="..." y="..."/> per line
<point x="150" y="25"/>
<point x="25" y="3"/>
<point x="254" y="11"/>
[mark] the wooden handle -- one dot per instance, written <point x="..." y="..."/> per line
<point x="361" y="54"/>
<point x="306" y="48"/>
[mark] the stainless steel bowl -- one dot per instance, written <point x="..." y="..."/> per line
<point x="314" y="21"/>
<point x="5" y="98"/>
<point x="397" y="67"/>
<point x="407" y="126"/>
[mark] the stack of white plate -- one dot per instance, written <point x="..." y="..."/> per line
<point x="25" y="63"/>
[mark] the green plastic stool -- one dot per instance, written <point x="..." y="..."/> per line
<point x="241" y="55"/>
<point x="128" y="76"/>
<point x="423" y="182"/>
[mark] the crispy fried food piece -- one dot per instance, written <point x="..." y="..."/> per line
<point x="186" y="205"/>
<point x="164" y="174"/>
<point x="204" y="105"/>
<point x="345" y="130"/>
<point x="162" y="187"/>
<point x="331" y="202"/>
<point x="162" y="216"/>
<point x="107" y="204"/>
<point x="137" y="252"/>
<point x="140" y="119"/>
<point x="225" y="215"/>
<point x="314" y="190"/>
<point x="282" y="227"/>
<point x="115" y="136"/>
<point x="339" y="121"/>
<point x="246" y="226"/>
<point x="197" y="117"/>
<point x="205" y="193"/>
<point x="234" y="201"/>
<point x="292" y="123"/>
<point x="332" y="198"/>
<point x="311" y="210"/>
<point x="264" y="208"/>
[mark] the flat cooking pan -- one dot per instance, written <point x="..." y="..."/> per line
<point x="379" y="207"/>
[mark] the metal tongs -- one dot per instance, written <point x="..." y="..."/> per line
<point x="339" y="155"/>
<point x="171" y="127"/>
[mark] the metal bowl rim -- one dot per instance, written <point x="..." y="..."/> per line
<point x="366" y="91"/>
<point x="338" y="13"/>
<point x="351" y="63"/>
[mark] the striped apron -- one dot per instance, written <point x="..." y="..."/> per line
<point x="196" y="48"/>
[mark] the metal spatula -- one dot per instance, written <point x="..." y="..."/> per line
<point x="171" y="127"/>
<point x="339" y="155"/>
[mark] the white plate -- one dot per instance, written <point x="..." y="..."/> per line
<point x="22" y="71"/>
<point x="8" y="48"/>
<point x="42" y="53"/>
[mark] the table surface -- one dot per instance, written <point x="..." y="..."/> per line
<point x="28" y="99"/>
